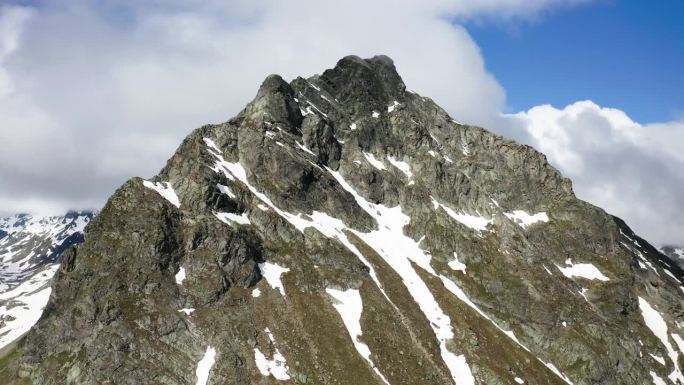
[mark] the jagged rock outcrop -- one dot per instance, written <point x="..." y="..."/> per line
<point x="345" y="230"/>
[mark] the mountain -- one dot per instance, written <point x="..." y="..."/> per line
<point x="675" y="253"/>
<point x="30" y="251"/>
<point x="343" y="229"/>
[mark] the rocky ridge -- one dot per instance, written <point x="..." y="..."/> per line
<point x="343" y="229"/>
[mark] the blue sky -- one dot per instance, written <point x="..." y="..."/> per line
<point x="624" y="54"/>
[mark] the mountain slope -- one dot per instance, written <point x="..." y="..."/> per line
<point x="30" y="252"/>
<point x="344" y="230"/>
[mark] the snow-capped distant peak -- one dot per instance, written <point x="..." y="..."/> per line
<point x="30" y="251"/>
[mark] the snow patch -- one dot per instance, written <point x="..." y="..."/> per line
<point x="165" y="190"/>
<point x="225" y="190"/>
<point x="523" y="219"/>
<point x="204" y="366"/>
<point x="391" y="107"/>
<point x="306" y="111"/>
<point x="180" y="276"/>
<point x="402" y="166"/>
<point x="256" y="293"/>
<point x="317" y="109"/>
<point x="272" y="272"/>
<point x="230" y="218"/>
<point x="679" y="341"/>
<point x="314" y="87"/>
<point x="460" y="294"/>
<point x="583" y="292"/>
<point x="304" y="148"/>
<point x="398" y="251"/>
<point x="212" y="145"/>
<point x="582" y="270"/>
<point x="375" y="114"/>
<point x="262" y="207"/>
<point x="656" y="379"/>
<point x="277" y="366"/>
<point x="656" y="323"/>
<point x="643" y="262"/>
<point x="187" y="311"/>
<point x="554" y="369"/>
<point x="667" y="272"/>
<point x="660" y="359"/>
<point x="373" y="161"/>
<point x="349" y="304"/>
<point x="457" y="265"/>
<point x="477" y="223"/>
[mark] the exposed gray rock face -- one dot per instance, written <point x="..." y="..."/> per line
<point x="344" y="230"/>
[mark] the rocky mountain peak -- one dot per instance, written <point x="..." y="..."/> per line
<point x="344" y="230"/>
<point x="275" y="103"/>
<point x="374" y="81"/>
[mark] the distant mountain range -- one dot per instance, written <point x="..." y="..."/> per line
<point x="31" y="248"/>
<point x="676" y="253"/>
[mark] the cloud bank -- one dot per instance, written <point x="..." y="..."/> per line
<point x="632" y="170"/>
<point x="94" y="92"/>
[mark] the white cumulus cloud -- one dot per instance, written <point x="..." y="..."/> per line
<point x="631" y="170"/>
<point x="12" y="20"/>
<point x="93" y="92"/>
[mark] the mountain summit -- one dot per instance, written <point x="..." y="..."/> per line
<point x="342" y="229"/>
